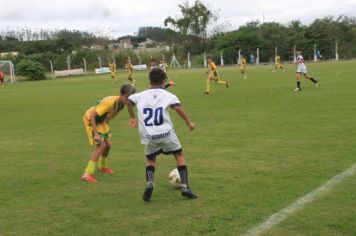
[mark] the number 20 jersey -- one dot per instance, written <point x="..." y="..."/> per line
<point x="153" y="116"/>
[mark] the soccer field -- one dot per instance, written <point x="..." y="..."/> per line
<point x="258" y="147"/>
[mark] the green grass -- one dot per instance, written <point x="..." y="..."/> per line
<point x="257" y="148"/>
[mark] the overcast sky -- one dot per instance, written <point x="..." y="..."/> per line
<point x="124" y="17"/>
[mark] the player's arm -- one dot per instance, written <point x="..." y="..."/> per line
<point x="184" y="116"/>
<point x="97" y="138"/>
<point x="133" y="121"/>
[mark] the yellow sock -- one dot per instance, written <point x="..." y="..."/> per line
<point x="208" y="85"/>
<point x="90" y="167"/>
<point x="102" y="162"/>
<point x="221" y="82"/>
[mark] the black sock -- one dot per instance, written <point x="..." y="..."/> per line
<point x="183" y="173"/>
<point x="298" y="84"/>
<point x="150" y="172"/>
<point x="314" y="81"/>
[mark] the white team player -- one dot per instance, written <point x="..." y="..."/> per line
<point x="156" y="129"/>
<point x="302" y="70"/>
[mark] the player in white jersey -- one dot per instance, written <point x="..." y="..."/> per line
<point x="302" y="70"/>
<point x="156" y="129"/>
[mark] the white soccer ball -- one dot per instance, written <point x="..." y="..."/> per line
<point x="174" y="178"/>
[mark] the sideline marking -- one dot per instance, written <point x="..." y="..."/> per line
<point x="278" y="217"/>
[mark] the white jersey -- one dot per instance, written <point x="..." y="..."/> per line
<point x="301" y="66"/>
<point x="163" y="67"/>
<point x="153" y="116"/>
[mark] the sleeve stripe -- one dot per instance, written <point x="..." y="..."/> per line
<point x="175" y="105"/>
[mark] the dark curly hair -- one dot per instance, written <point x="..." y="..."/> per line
<point x="157" y="76"/>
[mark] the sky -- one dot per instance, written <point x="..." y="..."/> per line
<point x="114" y="18"/>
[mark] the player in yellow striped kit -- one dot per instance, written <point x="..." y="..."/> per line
<point x="129" y="68"/>
<point x="213" y="75"/>
<point x="277" y="63"/>
<point x="112" y="67"/>
<point x="96" y="122"/>
<point x="243" y="65"/>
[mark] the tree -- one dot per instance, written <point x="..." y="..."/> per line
<point x="33" y="70"/>
<point x="193" y="23"/>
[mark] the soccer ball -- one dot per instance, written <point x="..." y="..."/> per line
<point x="174" y="178"/>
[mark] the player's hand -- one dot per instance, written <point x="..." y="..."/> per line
<point x="97" y="139"/>
<point x="191" y="126"/>
<point x="132" y="123"/>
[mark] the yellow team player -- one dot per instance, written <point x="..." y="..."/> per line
<point x="129" y="68"/>
<point x="277" y="63"/>
<point x="213" y="75"/>
<point x="243" y="64"/>
<point x="112" y="67"/>
<point x="96" y="121"/>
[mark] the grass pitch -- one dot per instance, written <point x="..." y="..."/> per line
<point x="257" y="148"/>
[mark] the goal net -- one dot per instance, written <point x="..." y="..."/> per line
<point x="8" y="68"/>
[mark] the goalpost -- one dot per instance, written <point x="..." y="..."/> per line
<point x="8" y="68"/>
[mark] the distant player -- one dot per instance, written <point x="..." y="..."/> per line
<point x="96" y="122"/>
<point x="302" y="70"/>
<point x="277" y="63"/>
<point x="112" y="67"/>
<point x="156" y="129"/>
<point x="153" y="64"/>
<point x="2" y="78"/>
<point x="164" y="66"/>
<point x="129" y="68"/>
<point x="213" y="75"/>
<point x="243" y="65"/>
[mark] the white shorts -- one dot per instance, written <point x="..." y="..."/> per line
<point x="169" y="144"/>
<point x="302" y="71"/>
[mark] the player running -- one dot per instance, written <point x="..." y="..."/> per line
<point x="277" y="63"/>
<point x="96" y="122"/>
<point x="129" y="68"/>
<point x="243" y="65"/>
<point x="213" y="75"/>
<point x="156" y="129"/>
<point x="163" y="65"/>
<point x="302" y="70"/>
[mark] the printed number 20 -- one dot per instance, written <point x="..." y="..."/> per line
<point x="156" y="114"/>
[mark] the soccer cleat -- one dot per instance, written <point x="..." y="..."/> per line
<point x="171" y="82"/>
<point x="148" y="192"/>
<point x="186" y="192"/>
<point x="106" y="170"/>
<point x="207" y="92"/>
<point x="297" y="89"/>
<point x="227" y="84"/>
<point x="316" y="84"/>
<point x="88" y="178"/>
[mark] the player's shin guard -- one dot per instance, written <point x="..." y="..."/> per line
<point x="150" y="172"/>
<point x="313" y="80"/>
<point x="298" y="84"/>
<point x="183" y="173"/>
<point x="90" y="169"/>
<point x="207" y="86"/>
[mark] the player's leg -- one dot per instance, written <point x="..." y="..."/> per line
<point x="183" y="173"/>
<point x="91" y="166"/>
<point x="150" y="172"/>
<point x="208" y="82"/>
<point x="297" y="77"/>
<point x="316" y="83"/>
<point x="151" y="151"/>
<point x="103" y="159"/>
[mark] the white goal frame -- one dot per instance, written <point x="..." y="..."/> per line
<point x="11" y="70"/>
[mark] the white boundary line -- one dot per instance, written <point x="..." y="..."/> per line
<point x="278" y="217"/>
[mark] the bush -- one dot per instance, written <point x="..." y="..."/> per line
<point x="32" y="70"/>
